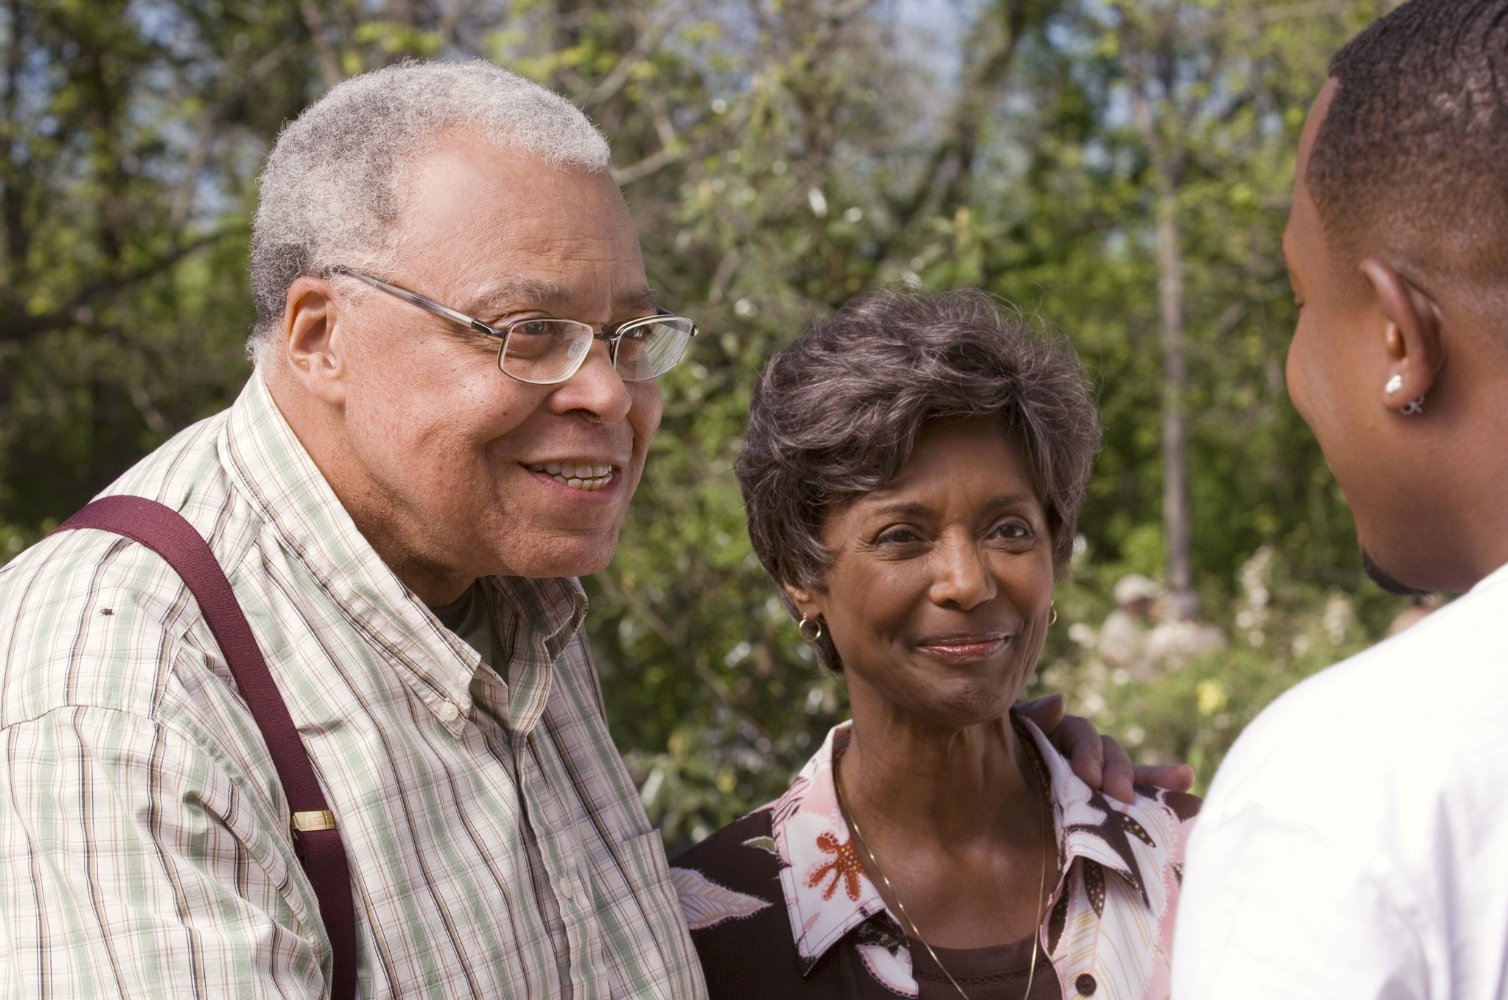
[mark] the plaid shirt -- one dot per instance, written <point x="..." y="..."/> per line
<point x="144" y="845"/>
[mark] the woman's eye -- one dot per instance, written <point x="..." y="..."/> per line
<point x="1013" y="530"/>
<point x="895" y="536"/>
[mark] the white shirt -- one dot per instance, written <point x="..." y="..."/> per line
<point x="1355" y="842"/>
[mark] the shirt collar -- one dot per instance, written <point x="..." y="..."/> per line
<point x="270" y="466"/>
<point x="1089" y="825"/>
<point x="545" y="616"/>
<point x="827" y="892"/>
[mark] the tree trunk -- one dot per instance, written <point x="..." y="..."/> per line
<point x="1167" y="171"/>
<point x="1176" y="516"/>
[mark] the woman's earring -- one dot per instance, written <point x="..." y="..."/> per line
<point x="1394" y="384"/>
<point x="1414" y="406"/>
<point x="1052" y="618"/>
<point x="816" y="623"/>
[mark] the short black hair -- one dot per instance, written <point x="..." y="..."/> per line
<point x="1411" y="160"/>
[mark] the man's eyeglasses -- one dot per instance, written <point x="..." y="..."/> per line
<point x="547" y="351"/>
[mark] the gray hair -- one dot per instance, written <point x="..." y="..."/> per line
<point x="837" y="412"/>
<point x="333" y="187"/>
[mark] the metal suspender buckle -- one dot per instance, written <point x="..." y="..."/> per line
<point x="314" y="819"/>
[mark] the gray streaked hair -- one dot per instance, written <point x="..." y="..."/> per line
<point x="333" y="188"/>
<point x="837" y="412"/>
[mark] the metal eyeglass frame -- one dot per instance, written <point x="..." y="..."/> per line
<point x="612" y="337"/>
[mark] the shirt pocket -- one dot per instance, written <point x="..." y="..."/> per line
<point x="641" y="871"/>
<point x="643" y="904"/>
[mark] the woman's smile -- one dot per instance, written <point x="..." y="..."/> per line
<point x="965" y="648"/>
<point x="941" y="580"/>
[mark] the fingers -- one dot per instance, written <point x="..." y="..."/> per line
<point x="1045" y="713"/>
<point x="1173" y="777"/>
<point x="1100" y="761"/>
<point x="1119" y="774"/>
<point x="1075" y="737"/>
<point x="1079" y="741"/>
<point x="1121" y="777"/>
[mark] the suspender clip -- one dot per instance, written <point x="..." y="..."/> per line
<point x="314" y="819"/>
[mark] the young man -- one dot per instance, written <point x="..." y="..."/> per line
<point x="1355" y="842"/>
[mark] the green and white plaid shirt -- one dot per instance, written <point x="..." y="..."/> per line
<point x="144" y="846"/>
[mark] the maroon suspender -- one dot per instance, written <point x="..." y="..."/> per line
<point x="315" y="837"/>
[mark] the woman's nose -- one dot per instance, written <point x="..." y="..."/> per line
<point x="961" y="575"/>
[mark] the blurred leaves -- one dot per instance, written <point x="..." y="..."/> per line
<point x="779" y="156"/>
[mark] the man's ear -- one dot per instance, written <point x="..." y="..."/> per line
<point x="1412" y="337"/>
<point x="312" y="339"/>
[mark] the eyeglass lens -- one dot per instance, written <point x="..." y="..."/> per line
<point x="550" y="350"/>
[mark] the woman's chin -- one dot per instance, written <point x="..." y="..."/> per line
<point x="966" y="710"/>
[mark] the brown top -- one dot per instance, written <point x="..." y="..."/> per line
<point x="997" y="973"/>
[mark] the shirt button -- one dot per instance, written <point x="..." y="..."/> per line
<point x="1085" y="984"/>
<point x="448" y="712"/>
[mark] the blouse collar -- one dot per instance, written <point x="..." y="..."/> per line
<point x="828" y="893"/>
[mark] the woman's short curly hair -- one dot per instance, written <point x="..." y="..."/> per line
<point x="837" y="412"/>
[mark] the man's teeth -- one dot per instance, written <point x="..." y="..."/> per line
<point x="577" y="477"/>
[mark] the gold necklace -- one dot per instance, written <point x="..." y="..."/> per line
<point x="874" y="864"/>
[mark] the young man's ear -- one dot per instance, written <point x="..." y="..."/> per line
<point x="1411" y="337"/>
<point x="312" y="342"/>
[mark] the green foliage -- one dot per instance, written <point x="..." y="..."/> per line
<point x="778" y="157"/>
<point x="1277" y="629"/>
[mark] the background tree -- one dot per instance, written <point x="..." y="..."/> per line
<point x="1118" y="170"/>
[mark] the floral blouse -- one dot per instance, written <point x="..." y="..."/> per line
<point x="779" y="903"/>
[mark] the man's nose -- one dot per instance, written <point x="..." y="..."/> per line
<point x="596" y="388"/>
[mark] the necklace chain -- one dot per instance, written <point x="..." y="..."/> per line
<point x="901" y="907"/>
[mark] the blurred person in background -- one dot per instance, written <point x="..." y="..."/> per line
<point x="1122" y="638"/>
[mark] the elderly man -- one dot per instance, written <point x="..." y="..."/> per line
<point x="401" y="522"/>
<point x="1355" y="842"/>
<point x="456" y="351"/>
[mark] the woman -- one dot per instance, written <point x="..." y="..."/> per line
<point x="913" y="473"/>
